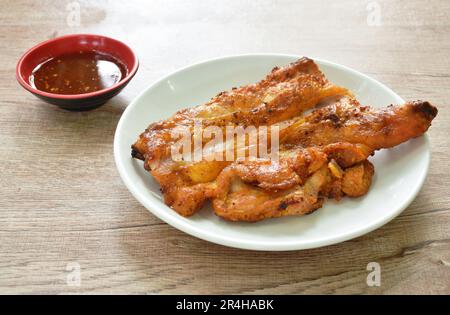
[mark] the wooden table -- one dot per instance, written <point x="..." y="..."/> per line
<point x="63" y="205"/>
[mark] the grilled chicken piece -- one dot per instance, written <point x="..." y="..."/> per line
<point x="350" y="133"/>
<point x="246" y="202"/>
<point x="322" y="154"/>
<point x="186" y="193"/>
<point x="293" y="185"/>
<point x="252" y="191"/>
<point x="285" y="93"/>
<point x="295" y="165"/>
<point x="347" y="121"/>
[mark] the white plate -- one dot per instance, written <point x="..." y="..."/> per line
<point x="399" y="172"/>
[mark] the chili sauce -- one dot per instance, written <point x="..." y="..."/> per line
<point x="78" y="73"/>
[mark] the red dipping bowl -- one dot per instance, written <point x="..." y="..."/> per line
<point x="70" y="44"/>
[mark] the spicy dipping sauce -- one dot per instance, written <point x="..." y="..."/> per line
<point x="78" y="73"/>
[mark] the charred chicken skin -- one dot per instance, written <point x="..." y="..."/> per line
<point x="285" y="93"/>
<point x="322" y="154"/>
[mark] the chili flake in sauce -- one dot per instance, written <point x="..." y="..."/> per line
<point x="78" y="73"/>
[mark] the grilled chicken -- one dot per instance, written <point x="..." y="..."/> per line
<point x="322" y="154"/>
<point x="285" y="93"/>
<point x="348" y="121"/>
<point x="338" y="139"/>
<point x="241" y="201"/>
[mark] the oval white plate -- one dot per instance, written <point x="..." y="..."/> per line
<point x="399" y="172"/>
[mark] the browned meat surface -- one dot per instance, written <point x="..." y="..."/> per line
<point x="322" y="154"/>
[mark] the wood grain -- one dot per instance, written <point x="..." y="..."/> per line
<point x="62" y="200"/>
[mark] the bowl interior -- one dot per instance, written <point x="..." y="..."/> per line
<point x="73" y="43"/>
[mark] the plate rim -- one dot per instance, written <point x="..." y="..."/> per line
<point x="175" y="220"/>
